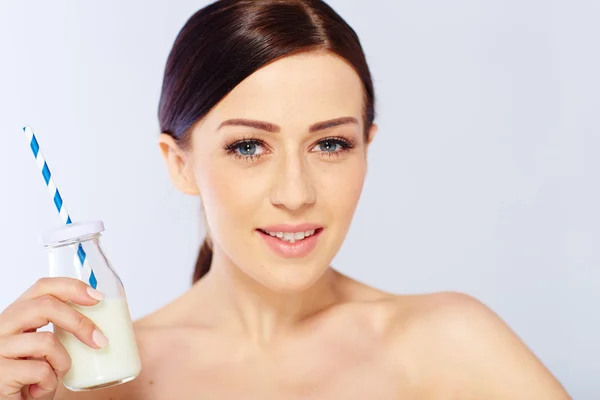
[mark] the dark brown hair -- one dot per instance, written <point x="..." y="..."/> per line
<point x="228" y="40"/>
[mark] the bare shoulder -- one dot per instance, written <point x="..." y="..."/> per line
<point x="456" y="343"/>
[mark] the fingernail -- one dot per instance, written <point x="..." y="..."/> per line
<point x="94" y="294"/>
<point x="99" y="338"/>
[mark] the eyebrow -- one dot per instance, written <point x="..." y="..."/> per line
<point x="269" y="127"/>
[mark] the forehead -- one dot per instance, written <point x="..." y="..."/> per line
<point x="294" y="92"/>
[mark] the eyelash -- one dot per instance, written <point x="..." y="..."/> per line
<point x="232" y="148"/>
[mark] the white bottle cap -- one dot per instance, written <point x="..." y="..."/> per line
<point x="72" y="231"/>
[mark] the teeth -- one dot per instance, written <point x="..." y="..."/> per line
<point x="292" y="237"/>
<point x="288" y="236"/>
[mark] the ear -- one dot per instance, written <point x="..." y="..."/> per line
<point x="179" y="165"/>
<point x="372" y="132"/>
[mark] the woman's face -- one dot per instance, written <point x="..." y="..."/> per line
<point x="279" y="164"/>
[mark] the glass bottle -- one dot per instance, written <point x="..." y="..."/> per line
<point x="74" y="251"/>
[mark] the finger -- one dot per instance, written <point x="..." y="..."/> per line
<point x="41" y="311"/>
<point x="65" y="289"/>
<point x="40" y="345"/>
<point x="37" y="392"/>
<point x="18" y="373"/>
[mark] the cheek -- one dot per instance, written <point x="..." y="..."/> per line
<point x="230" y="194"/>
<point x="340" y="185"/>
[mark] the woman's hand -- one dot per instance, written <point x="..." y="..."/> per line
<point x="33" y="363"/>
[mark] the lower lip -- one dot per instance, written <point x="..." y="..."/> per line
<point x="291" y="250"/>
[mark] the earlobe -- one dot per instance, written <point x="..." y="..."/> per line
<point x="178" y="165"/>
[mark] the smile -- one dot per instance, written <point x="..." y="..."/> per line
<point x="291" y="237"/>
<point x="288" y="242"/>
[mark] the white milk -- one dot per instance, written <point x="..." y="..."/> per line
<point x="118" y="362"/>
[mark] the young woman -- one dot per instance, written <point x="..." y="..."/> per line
<point x="267" y="112"/>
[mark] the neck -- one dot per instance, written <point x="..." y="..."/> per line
<point x="241" y="303"/>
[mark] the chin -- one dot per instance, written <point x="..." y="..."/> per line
<point x="288" y="279"/>
<point x="285" y="268"/>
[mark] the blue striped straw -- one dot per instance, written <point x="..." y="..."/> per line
<point x="55" y="195"/>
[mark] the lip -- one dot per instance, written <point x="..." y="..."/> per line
<point x="285" y="249"/>
<point x="291" y="228"/>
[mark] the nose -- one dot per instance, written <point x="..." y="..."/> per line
<point x="292" y="187"/>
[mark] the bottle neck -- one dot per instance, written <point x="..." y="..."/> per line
<point x="81" y="239"/>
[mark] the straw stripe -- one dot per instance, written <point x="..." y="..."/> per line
<point x="56" y="198"/>
<point x="81" y="254"/>
<point x="34" y="145"/>
<point x="58" y="201"/>
<point x="46" y="173"/>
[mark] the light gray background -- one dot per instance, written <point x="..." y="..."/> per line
<point x="483" y="178"/>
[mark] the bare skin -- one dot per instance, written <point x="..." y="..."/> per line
<point x="367" y="344"/>
<point x="262" y="325"/>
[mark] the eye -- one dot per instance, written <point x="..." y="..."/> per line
<point x="332" y="145"/>
<point x="328" y="145"/>
<point x="248" y="149"/>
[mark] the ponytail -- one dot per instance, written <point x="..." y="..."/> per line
<point x="204" y="260"/>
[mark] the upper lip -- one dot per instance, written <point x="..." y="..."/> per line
<point x="291" y="228"/>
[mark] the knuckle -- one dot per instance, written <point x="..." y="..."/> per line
<point x="48" y="372"/>
<point x="75" y="285"/>
<point x="48" y="339"/>
<point x="81" y="322"/>
<point x="48" y="302"/>
<point x="43" y="283"/>
<point x="78" y="283"/>
<point x="45" y="372"/>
